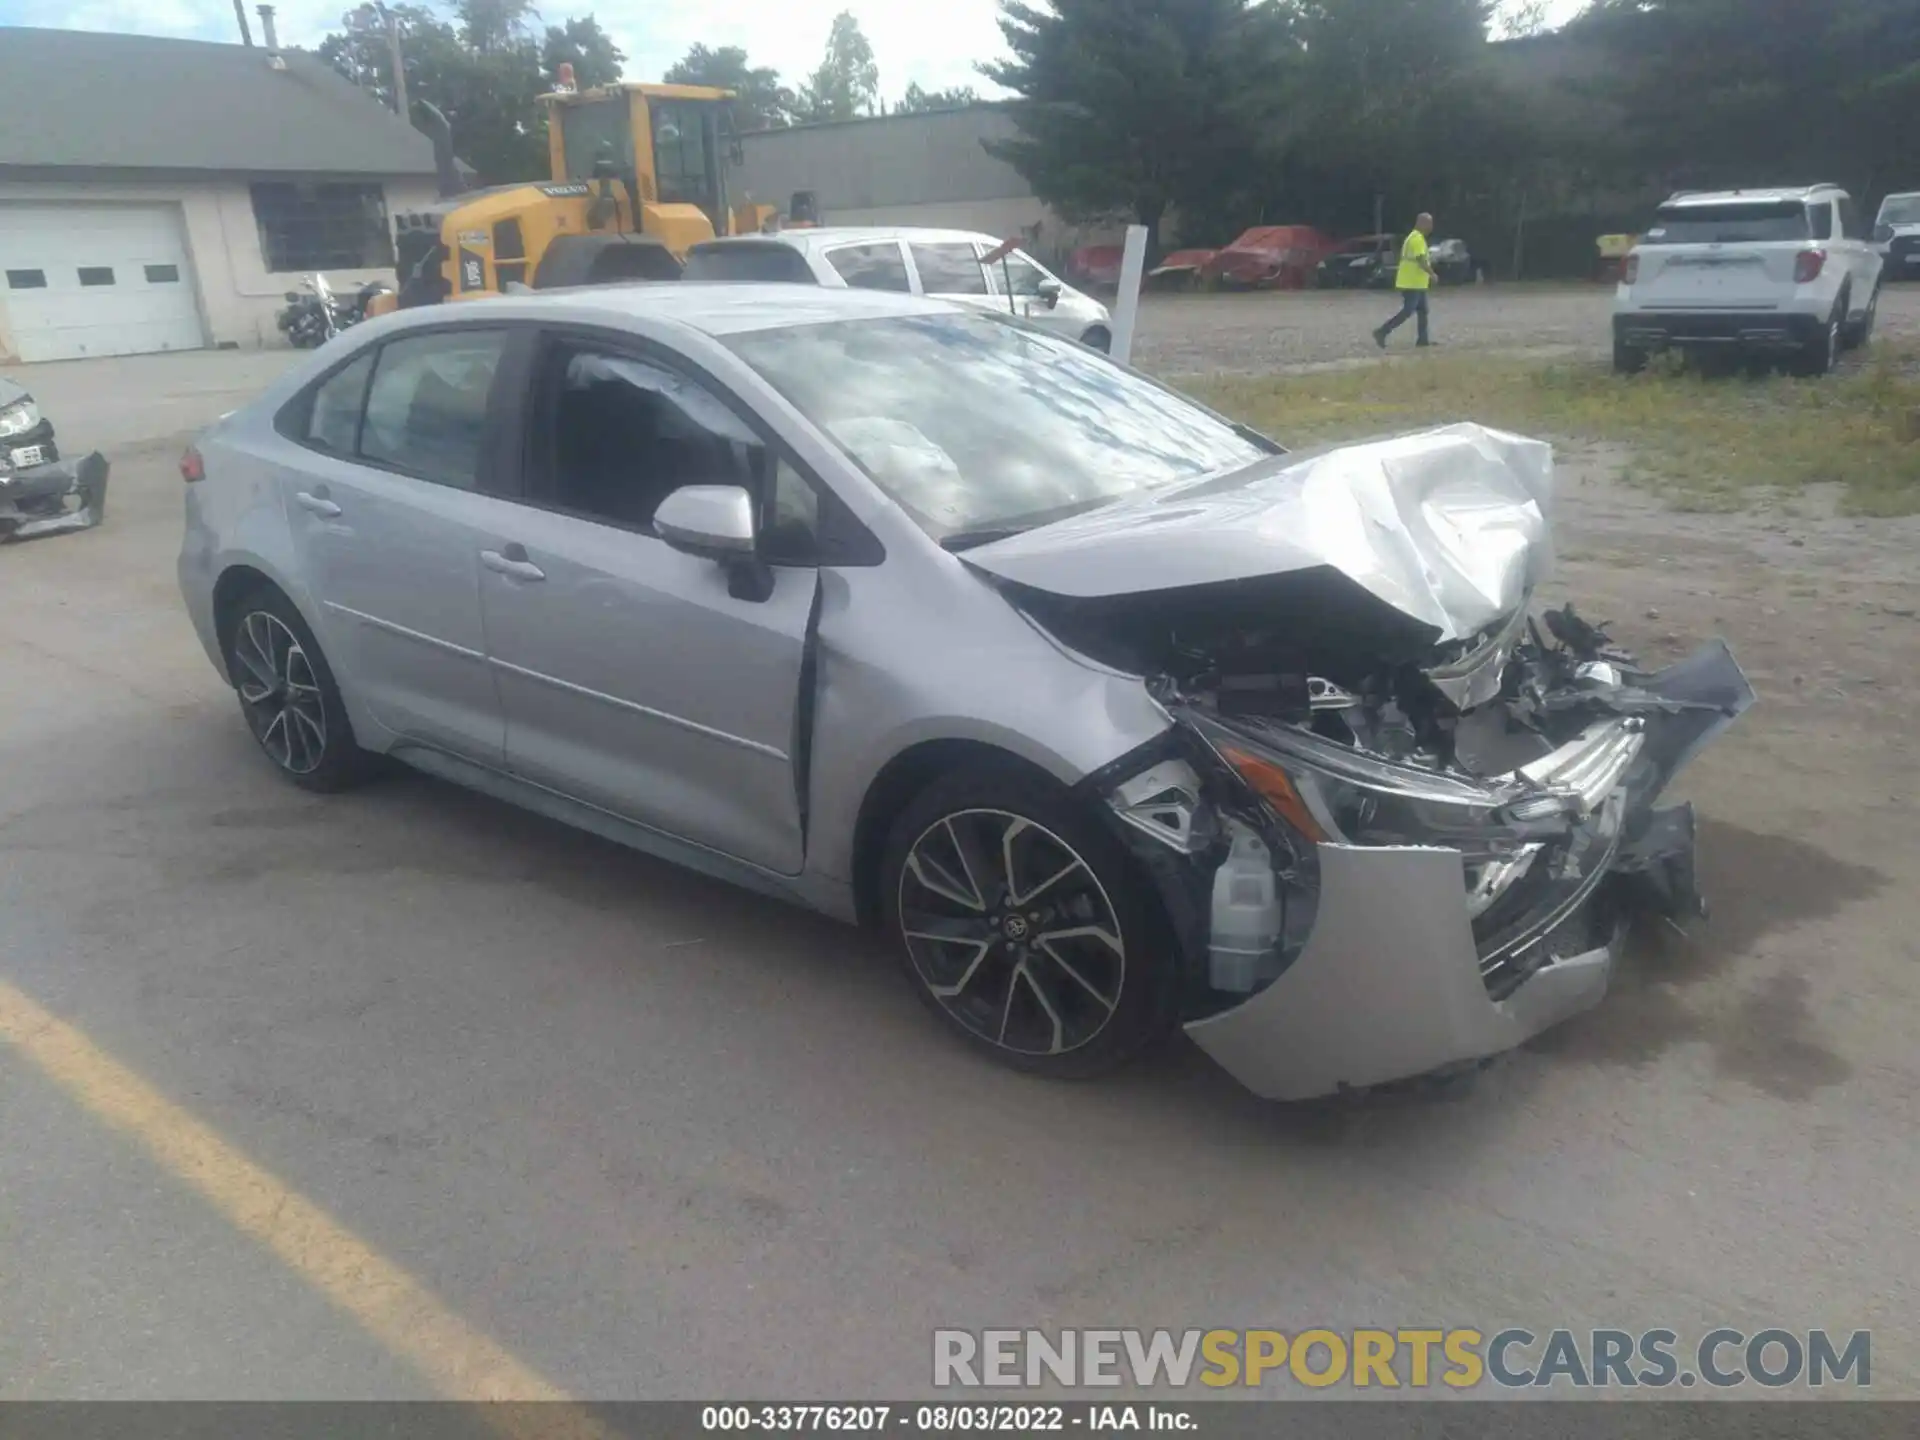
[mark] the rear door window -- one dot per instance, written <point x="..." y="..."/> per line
<point x="949" y="269"/>
<point x="333" y="424"/>
<point x="880" y="266"/>
<point x="748" y="262"/>
<point x="427" y="407"/>
<point x="1731" y="222"/>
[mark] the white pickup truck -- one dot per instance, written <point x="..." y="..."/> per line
<point x="1767" y="272"/>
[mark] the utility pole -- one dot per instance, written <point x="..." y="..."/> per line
<point x="376" y="16"/>
<point x="240" y="14"/>
<point x="399" y="65"/>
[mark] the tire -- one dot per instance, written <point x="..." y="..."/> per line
<point x="1098" y="337"/>
<point x="288" y="696"/>
<point x="1856" y="334"/>
<point x="1817" y="357"/>
<point x="1102" y="992"/>
<point x="1628" y="359"/>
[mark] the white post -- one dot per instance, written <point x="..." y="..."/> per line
<point x="1126" y="305"/>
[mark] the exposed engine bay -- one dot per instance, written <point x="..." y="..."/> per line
<point x="1401" y="821"/>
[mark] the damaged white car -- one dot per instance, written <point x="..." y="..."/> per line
<point x="1115" y="716"/>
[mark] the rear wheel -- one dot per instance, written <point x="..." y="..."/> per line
<point x="288" y="695"/>
<point x="1628" y="359"/>
<point x="1021" y="926"/>
<point x="1817" y="357"/>
<point x="1856" y="333"/>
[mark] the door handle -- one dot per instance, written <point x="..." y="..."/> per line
<point x="512" y="561"/>
<point x="318" y="504"/>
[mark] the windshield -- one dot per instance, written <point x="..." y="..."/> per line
<point x="979" y="427"/>
<point x="1900" y="210"/>
<point x="1729" y="222"/>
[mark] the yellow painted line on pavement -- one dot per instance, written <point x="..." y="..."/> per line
<point x="389" y="1304"/>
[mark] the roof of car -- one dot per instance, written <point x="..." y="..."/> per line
<point x="712" y="308"/>
<point x="822" y="237"/>
<point x="1763" y="194"/>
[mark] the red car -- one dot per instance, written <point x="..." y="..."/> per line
<point x="1278" y="256"/>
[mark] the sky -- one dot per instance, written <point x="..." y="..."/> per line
<point x="933" y="45"/>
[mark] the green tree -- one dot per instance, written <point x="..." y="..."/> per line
<point x="847" y="82"/>
<point x="493" y="25"/>
<point x="596" y="60"/>
<point x="916" y="99"/>
<point x="1723" y="92"/>
<point x="485" y="69"/>
<point x="1137" y="106"/>
<point x="761" y="102"/>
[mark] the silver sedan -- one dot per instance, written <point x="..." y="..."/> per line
<point x="1114" y="716"/>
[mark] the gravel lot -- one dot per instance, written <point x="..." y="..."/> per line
<point x="1273" y="330"/>
<point x="656" y="1137"/>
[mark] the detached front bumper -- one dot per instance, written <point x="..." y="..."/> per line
<point x="1393" y="982"/>
<point x="1389" y="985"/>
<point x="53" y="499"/>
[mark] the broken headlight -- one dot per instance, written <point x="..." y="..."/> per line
<point x="1328" y="792"/>
<point x="19" y="417"/>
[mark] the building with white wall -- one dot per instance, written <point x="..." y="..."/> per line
<point x="166" y="194"/>
<point x="923" y="168"/>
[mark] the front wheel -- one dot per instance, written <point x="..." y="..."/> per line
<point x="288" y="695"/>
<point x="1021" y="926"/>
<point x="1099" y="338"/>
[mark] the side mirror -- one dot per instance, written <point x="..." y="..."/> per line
<point x="716" y="523"/>
<point x="1049" y="293"/>
<point x="1883" y="233"/>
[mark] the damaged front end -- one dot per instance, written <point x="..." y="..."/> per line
<point x="41" y="494"/>
<point x="53" y="499"/>
<point x="1387" y="894"/>
<point x="1400" y="823"/>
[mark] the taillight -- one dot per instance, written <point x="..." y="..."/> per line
<point x="192" y="467"/>
<point x="1807" y="266"/>
<point x="1630" y="271"/>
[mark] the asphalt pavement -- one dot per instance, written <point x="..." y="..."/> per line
<point x="404" y="1092"/>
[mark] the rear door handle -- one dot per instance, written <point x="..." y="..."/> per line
<point x="318" y="504"/>
<point x="512" y="560"/>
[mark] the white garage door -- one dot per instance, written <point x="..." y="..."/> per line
<point x="96" y="280"/>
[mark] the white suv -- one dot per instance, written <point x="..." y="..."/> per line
<point x="1896" y="231"/>
<point x="1763" y="271"/>
<point x="945" y="264"/>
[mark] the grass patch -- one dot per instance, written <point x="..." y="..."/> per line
<point x="1705" y="442"/>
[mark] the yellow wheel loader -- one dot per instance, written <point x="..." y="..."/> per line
<point x="638" y="175"/>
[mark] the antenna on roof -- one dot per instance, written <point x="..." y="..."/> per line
<point x="240" y="14"/>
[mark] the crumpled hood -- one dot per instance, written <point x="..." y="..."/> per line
<point x="1449" y="526"/>
<point x="10" y="393"/>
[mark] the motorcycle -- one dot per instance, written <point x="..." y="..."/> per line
<point x="310" y="318"/>
<point x="314" y="314"/>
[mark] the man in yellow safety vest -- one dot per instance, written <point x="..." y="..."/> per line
<point x="1413" y="279"/>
